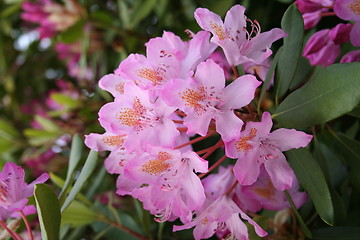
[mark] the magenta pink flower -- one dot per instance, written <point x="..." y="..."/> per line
<point x="220" y="214"/>
<point x="323" y="48"/>
<point x="257" y="146"/>
<point x="238" y="44"/>
<point x="14" y="191"/>
<point x="264" y="192"/>
<point x="353" y="56"/>
<point x="350" y="10"/>
<point x="167" y="57"/>
<point x="205" y="97"/>
<point x="143" y="121"/>
<point x="311" y="10"/>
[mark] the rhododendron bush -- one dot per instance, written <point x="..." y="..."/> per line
<point x="179" y="119"/>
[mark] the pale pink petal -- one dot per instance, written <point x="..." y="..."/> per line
<point x="355" y="34"/>
<point x="193" y="189"/>
<point x="347" y="10"/>
<point x="286" y="139"/>
<point x="235" y="18"/>
<point x="207" y="20"/>
<point x="247" y="169"/>
<point x="113" y="84"/>
<point x="104" y="142"/>
<point x="259" y="231"/>
<point x="237" y="227"/>
<point x="279" y="171"/>
<point x="211" y="75"/>
<point x="197" y="124"/>
<point x="228" y="125"/>
<point x="240" y="92"/>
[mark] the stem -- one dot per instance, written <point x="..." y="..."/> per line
<point x="125" y="229"/>
<point x="178" y="121"/>
<point x="211" y="149"/>
<point x="327" y="14"/>
<point x="27" y="225"/>
<point x="13" y="234"/>
<point x="232" y="188"/>
<point x="195" y="140"/>
<point x="180" y="113"/>
<point x="182" y="129"/>
<point x="235" y="71"/>
<point x="213" y="166"/>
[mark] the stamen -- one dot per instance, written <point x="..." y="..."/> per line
<point x="355" y="7"/>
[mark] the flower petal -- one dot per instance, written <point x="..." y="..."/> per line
<point x="287" y="139"/>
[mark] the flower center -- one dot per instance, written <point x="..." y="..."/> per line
<point x="355" y="7"/>
<point x="159" y="165"/>
<point x="244" y="144"/>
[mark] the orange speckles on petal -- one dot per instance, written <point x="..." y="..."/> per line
<point x="193" y="98"/>
<point x="3" y="193"/>
<point x="204" y="221"/>
<point x="150" y="75"/>
<point x="159" y="165"/>
<point x="219" y="31"/>
<point x="120" y="88"/>
<point x="128" y="117"/>
<point x="355" y="7"/>
<point x="266" y="192"/>
<point x="113" y="140"/>
<point x="242" y="145"/>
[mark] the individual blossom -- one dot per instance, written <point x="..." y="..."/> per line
<point x="205" y="97"/>
<point x="256" y="146"/>
<point x="167" y="57"/>
<point x="174" y="188"/>
<point x="324" y="47"/>
<point x="350" y="10"/>
<point x="313" y="10"/>
<point x="353" y="56"/>
<point x="221" y="214"/>
<point x="238" y="44"/>
<point x="13" y="188"/>
<point x="264" y="192"/>
<point x="142" y="120"/>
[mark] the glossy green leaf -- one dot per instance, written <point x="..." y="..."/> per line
<point x="78" y="214"/>
<point x="351" y="150"/>
<point x="330" y="93"/>
<point x="292" y="23"/>
<point x="85" y="173"/>
<point x="337" y="233"/>
<point x="74" y="159"/>
<point x="355" y="112"/>
<point x="269" y="76"/>
<point x="48" y="209"/>
<point x="311" y="177"/>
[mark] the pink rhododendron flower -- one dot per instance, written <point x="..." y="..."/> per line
<point x="353" y="56"/>
<point x="219" y="58"/>
<point x="257" y="146"/>
<point x="143" y="121"/>
<point x="167" y="57"/>
<point x="223" y="212"/>
<point x="205" y="97"/>
<point x="238" y="44"/>
<point x="350" y="10"/>
<point x="323" y="48"/>
<point x="13" y="188"/>
<point x="311" y="10"/>
<point x="264" y="192"/>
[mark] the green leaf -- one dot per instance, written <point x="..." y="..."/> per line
<point x="74" y="159"/>
<point x="85" y="173"/>
<point x="336" y="233"/>
<point x="142" y="9"/>
<point x="77" y="214"/>
<point x="351" y="150"/>
<point x="330" y="93"/>
<point x="7" y="130"/>
<point x="47" y="124"/>
<point x="269" y="75"/>
<point x="292" y="23"/>
<point x="355" y="112"/>
<point x="73" y="33"/>
<point x="39" y="137"/>
<point x="59" y="182"/>
<point x="65" y="100"/>
<point x="48" y="209"/>
<point x="311" y="177"/>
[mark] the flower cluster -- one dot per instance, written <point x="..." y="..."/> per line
<point x="324" y="47"/>
<point x="177" y="95"/>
